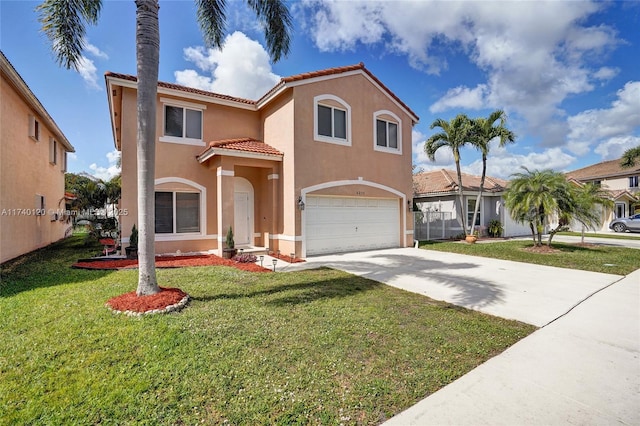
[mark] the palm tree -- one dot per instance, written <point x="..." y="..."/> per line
<point x="484" y="131"/>
<point x="64" y="22"/>
<point x="589" y="197"/>
<point x="454" y="135"/>
<point x="532" y="195"/>
<point x="629" y="157"/>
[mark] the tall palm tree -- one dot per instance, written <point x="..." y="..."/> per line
<point x="454" y="135"/>
<point x="64" y="23"/>
<point x="629" y="157"/>
<point x="484" y="131"/>
<point x="532" y="195"/>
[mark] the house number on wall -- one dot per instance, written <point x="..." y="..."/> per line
<point x="359" y="192"/>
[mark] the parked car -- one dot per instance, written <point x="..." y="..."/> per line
<point x="623" y="224"/>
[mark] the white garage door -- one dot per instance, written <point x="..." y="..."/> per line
<point x="342" y="224"/>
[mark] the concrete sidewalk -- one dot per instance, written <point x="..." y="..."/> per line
<point x="582" y="367"/>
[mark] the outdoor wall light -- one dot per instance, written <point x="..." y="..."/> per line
<point x="300" y="203"/>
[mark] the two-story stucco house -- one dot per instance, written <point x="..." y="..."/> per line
<point x="320" y="164"/>
<point x="621" y="184"/>
<point x="33" y="159"/>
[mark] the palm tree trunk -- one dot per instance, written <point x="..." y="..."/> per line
<point x="147" y="57"/>
<point x="476" y="210"/>
<point x="456" y="157"/>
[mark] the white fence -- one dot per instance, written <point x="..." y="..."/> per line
<point x="432" y="225"/>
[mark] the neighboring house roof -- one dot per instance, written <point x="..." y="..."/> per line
<point x="240" y="147"/>
<point x="30" y="98"/>
<point x="603" y="170"/>
<point x="445" y="182"/>
<point x="614" y="194"/>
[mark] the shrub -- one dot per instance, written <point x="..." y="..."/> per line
<point x="495" y="228"/>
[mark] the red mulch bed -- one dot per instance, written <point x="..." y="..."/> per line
<point x="169" y="262"/>
<point x="286" y="258"/>
<point x="156" y="303"/>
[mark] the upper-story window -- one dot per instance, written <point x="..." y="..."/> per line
<point x="34" y="128"/>
<point x="332" y="120"/>
<point x="53" y="151"/>
<point x="182" y="122"/>
<point x="633" y="181"/>
<point x="387" y="132"/>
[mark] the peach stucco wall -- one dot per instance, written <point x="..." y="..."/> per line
<point x="287" y="124"/>
<point x="24" y="172"/>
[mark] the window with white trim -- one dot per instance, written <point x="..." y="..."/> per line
<point x="182" y="122"/>
<point x="387" y="132"/>
<point x="332" y="120"/>
<point x="633" y="181"/>
<point x="177" y="212"/>
<point x="471" y="208"/>
<point x="53" y="151"/>
<point x="34" y="128"/>
<point x="64" y="161"/>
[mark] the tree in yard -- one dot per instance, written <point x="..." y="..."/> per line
<point x="589" y="198"/>
<point x="532" y="195"/>
<point x="454" y="135"/>
<point x="484" y="131"/>
<point x="629" y="157"/>
<point x="64" y="22"/>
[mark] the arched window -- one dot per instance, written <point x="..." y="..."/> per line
<point x="387" y="132"/>
<point x="332" y="120"/>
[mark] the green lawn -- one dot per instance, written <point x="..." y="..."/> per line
<point x="617" y="236"/>
<point x="312" y="347"/>
<point x="612" y="260"/>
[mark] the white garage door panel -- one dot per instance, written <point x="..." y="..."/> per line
<point x="340" y="224"/>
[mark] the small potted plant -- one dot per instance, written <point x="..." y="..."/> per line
<point x="132" y="250"/>
<point x="471" y="238"/>
<point x="230" y="251"/>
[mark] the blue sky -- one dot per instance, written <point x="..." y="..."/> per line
<point x="566" y="72"/>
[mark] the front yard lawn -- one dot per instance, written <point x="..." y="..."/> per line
<point x="312" y="347"/>
<point x="595" y="258"/>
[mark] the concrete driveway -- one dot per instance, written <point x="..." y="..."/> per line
<point x="581" y="367"/>
<point x="529" y="293"/>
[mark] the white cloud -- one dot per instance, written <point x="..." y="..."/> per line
<point x="87" y="68"/>
<point x="606" y="73"/>
<point x="106" y="173"/>
<point x="461" y="97"/>
<point x="444" y="156"/>
<point x="534" y="55"/>
<point x="502" y="164"/>
<point x="613" y="148"/>
<point x="241" y="68"/>
<point x="72" y="156"/>
<point x="607" y="127"/>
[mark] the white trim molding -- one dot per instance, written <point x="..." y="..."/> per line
<point x="203" y="210"/>
<point x="398" y="122"/>
<point x="317" y="100"/>
<point x="222" y="172"/>
<point x="273" y="176"/>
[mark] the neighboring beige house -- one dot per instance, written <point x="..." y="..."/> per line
<point x="621" y="184"/>
<point x="436" y="200"/>
<point x="33" y="160"/>
<point x="320" y="164"/>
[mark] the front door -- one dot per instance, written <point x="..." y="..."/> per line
<point x="241" y="218"/>
<point x="621" y="210"/>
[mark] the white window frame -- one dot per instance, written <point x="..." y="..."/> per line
<point x="195" y="188"/>
<point x="397" y="121"/>
<point x="34" y="128"/>
<point x="53" y="151"/>
<point x="41" y="205"/>
<point x="318" y="100"/>
<point x="470" y="212"/>
<point x="185" y="106"/>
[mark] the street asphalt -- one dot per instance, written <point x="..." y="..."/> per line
<point x="582" y="366"/>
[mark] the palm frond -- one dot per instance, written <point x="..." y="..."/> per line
<point x="277" y="25"/>
<point x="629" y="157"/>
<point x="64" y="23"/>
<point x="212" y="18"/>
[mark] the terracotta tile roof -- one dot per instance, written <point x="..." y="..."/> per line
<point x="245" y="145"/>
<point x="334" y="71"/>
<point x="183" y="88"/>
<point x="283" y="81"/>
<point x="604" y="169"/>
<point x="445" y="181"/>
